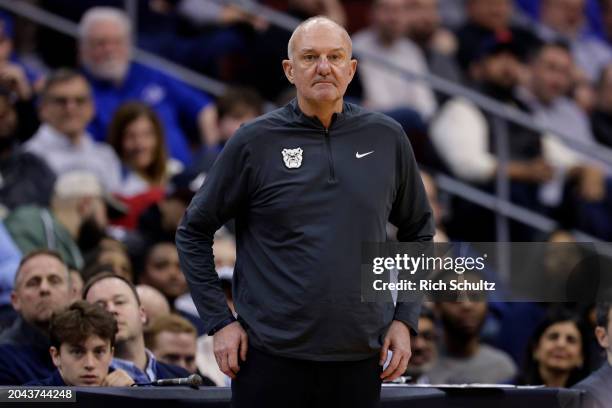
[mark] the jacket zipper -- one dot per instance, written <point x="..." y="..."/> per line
<point x="332" y="173"/>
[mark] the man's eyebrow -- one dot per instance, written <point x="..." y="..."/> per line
<point x="309" y="49"/>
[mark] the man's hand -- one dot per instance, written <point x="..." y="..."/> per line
<point x="532" y="171"/>
<point x="398" y="341"/>
<point x="118" y="378"/>
<point x="591" y="184"/>
<point x="227" y="343"/>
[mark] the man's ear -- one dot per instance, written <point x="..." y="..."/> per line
<point x="353" y="63"/>
<point x="602" y="337"/>
<point x="55" y="356"/>
<point x="143" y="315"/>
<point x="288" y="68"/>
<point x="15" y="301"/>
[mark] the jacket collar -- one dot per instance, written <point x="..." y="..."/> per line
<point x="22" y="333"/>
<point x="313" y="121"/>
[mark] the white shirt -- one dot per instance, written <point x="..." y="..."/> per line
<point x="64" y="156"/>
<point x="460" y="134"/>
<point x="385" y="89"/>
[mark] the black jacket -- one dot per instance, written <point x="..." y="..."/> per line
<point x="55" y="380"/>
<point x="299" y="230"/>
<point x="24" y="354"/>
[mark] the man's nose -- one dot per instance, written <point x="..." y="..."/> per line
<point x="44" y="286"/>
<point x="89" y="361"/>
<point x="323" y="66"/>
<point x="110" y="307"/>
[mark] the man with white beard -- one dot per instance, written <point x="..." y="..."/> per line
<point x="105" y="52"/>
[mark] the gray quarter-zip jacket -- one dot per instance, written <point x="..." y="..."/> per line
<point x="304" y="199"/>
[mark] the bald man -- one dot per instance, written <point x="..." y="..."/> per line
<point x="307" y="184"/>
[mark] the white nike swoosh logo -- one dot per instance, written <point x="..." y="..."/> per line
<point x="359" y="156"/>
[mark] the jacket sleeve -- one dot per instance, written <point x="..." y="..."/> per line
<point x="224" y="192"/>
<point x="412" y="215"/>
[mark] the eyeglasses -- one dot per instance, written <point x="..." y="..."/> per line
<point x="65" y="100"/>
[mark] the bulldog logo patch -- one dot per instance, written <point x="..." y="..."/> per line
<point x="292" y="157"/>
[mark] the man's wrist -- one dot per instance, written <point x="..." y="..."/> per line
<point x="412" y="331"/>
<point x="221" y="325"/>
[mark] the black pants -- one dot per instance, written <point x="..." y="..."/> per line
<point x="267" y="381"/>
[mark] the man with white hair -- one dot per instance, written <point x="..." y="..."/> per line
<point x="105" y="50"/>
<point x="307" y="184"/>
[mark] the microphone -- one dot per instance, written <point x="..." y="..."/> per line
<point x="193" y="381"/>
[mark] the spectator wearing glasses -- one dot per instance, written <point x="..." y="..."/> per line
<point x="66" y="109"/>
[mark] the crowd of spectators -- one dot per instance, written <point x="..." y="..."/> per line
<point x="100" y="156"/>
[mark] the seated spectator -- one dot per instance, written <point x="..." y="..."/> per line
<point x="486" y="18"/>
<point x="163" y="271"/>
<point x="566" y="19"/>
<point x="119" y="297"/>
<point x="557" y="352"/>
<point x="104" y="47"/>
<point x="173" y="341"/>
<point x="437" y="44"/>
<point x="66" y="108"/>
<point x="77" y="216"/>
<point x="26" y="178"/>
<point x="235" y="107"/>
<point x="386" y="39"/>
<point x="463" y="358"/>
<point x="601" y="118"/>
<point x="136" y="134"/>
<point x="465" y="138"/>
<point x="551" y="67"/>
<point x="82" y="341"/>
<point x="598" y="386"/>
<point x="42" y="287"/>
<point x="153" y="302"/>
<point x="424" y="352"/>
<point x="114" y="258"/>
<point x="550" y="80"/>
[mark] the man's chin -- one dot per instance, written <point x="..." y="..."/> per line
<point x="109" y="72"/>
<point x="326" y="95"/>
<point x="88" y="382"/>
